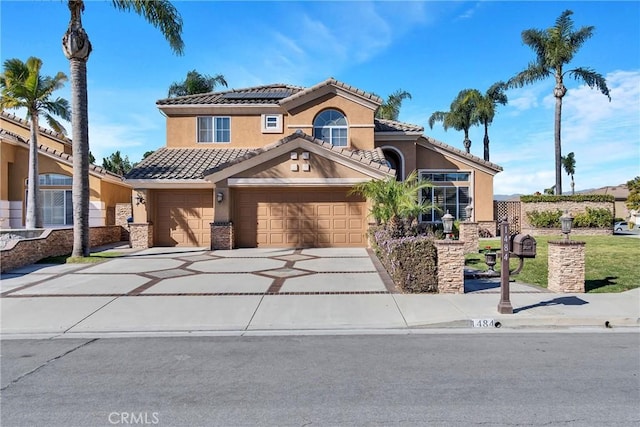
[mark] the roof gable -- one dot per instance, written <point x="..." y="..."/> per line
<point x="447" y="150"/>
<point x="331" y="86"/>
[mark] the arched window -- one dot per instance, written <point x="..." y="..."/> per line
<point x="395" y="161"/>
<point x="331" y="126"/>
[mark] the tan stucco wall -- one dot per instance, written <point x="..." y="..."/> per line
<point x="112" y="193"/>
<point x="43" y="138"/>
<point x="246" y="130"/>
<point x="320" y="167"/>
<point x="360" y="138"/>
<point x="408" y="151"/>
<point x="7" y="158"/>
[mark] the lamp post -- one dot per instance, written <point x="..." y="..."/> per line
<point x="468" y="210"/>
<point x="566" y="222"/>
<point x="447" y="224"/>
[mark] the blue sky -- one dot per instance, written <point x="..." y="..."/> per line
<point x="431" y="49"/>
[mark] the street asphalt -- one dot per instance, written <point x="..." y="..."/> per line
<point x="272" y="292"/>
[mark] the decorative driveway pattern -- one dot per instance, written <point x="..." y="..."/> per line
<point x="200" y="272"/>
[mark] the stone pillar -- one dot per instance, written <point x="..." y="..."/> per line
<point x="566" y="266"/>
<point x="141" y="235"/>
<point x="469" y="235"/>
<point x="123" y="213"/>
<point x="450" y="266"/>
<point x="221" y="235"/>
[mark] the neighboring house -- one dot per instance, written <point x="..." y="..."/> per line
<point x="620" y="193"/>
<point x="55" y="166"/>
<point x="273" y="166"/>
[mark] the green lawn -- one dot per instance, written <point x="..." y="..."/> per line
<point x="612" y="262"/>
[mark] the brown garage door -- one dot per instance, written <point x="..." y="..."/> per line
<point x="299" y="218"/>
<point x="183" y="217"/>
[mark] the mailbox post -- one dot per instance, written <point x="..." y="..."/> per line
<point x="504" y="306"/>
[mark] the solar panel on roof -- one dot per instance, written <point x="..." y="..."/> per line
<point x="257" y="95"/>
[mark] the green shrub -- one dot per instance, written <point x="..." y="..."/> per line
<point x="574" y="198"/>
<point x="410" y="261"/>
<point x="544" y="219"/>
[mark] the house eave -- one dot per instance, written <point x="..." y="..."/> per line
<point x="159" y="184"/>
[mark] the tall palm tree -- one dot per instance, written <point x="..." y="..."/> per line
<point x="461" y="115"/>
<point x="390" y="109"/>
<point x="24" y="87"/>
<point x="486" y="109"/>
<point x="569" y="165"/>
<point x="76" y="46"/>
<point x="196" y="83"/>
<point x="554" y="48"/>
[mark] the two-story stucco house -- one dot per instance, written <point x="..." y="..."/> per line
<point x="274" y="165"/>
<point x="55" y="164"/>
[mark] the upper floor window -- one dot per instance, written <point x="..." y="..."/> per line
<point x="55" y="179"/>
<point x="331" y="126"/>
<point x="214" y="129"/>
<point x="271" y="123"/>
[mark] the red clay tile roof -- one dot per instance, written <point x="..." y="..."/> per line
<point x="195" y="163"/>
<point x="383" y="125"/>
<point x="67" y="158"/>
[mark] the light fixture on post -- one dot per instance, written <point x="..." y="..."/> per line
<point x="220" y="196"/>
<point x="447" y="224"/>
<point x="140" y="198"/>
<point x="468" y="211"/>
<point x="566" y="222"/>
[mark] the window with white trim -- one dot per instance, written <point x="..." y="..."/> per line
<point x="56" y="201"/>
<point x="450" y="192"/>
<point x="271" y="123"/>
<point x="214" y="129"/>
<point x="331" y="126"/>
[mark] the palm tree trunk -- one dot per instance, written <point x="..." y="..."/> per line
<point x="80" y="190"/>
<point x="573" y="186"/>
<point x="33" y="217"/>
<point x="76" y="47"/>
<point x="486" y="141"/>
<point x="559" y="91"/>
<point x="467" y="141"/>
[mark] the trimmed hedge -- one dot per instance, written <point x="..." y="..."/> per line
<point x="591" y="218"/>
<point x="574" y="198"/>
<point x="412" y="262"/>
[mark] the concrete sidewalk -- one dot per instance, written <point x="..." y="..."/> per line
<point x="242" y="292"/>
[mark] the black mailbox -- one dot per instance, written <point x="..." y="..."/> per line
<point x="523" y="245"/>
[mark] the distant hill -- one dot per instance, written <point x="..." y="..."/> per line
<point x="506" y="197"/>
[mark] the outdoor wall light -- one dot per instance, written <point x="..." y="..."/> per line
<point x="140" y="199"/>
<point x="566" y="222"/>
<point x="447" y="224"/>
<point x="220" y="197"/>
<point x="468" y="211"/>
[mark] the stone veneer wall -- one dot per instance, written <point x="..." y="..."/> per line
<point x="566" y="266"/>
<point x="573" y="208"/>
<point x="141" y="235"/>
<point x="450" y="266"/>
<point x="491" y="226"/>
<point x="59" y="242"/>
<point x="469" y="235"/>
<point x="221" y="235"/>
<point x="123" y="212"/>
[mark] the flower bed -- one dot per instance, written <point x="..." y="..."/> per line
<point x="410" y="261"/>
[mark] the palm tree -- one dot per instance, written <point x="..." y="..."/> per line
<point x="394" y="203"/>
<point x="117" y="164"/>
<point x="76" y="46"/>
<point x="555" y="47"/>
<point x="24" y="87"/>
<point x="390" y="109"/>
<point x="569" y="165"/>
<point x="196" y="83"/>
<point x="486" y="109"/>
<point x="461" y="116"/>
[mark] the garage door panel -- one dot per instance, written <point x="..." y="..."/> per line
<point x="183" y="217"/>
<point x="298" y="218"/>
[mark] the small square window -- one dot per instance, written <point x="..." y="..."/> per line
<point x="271" y="123"/>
